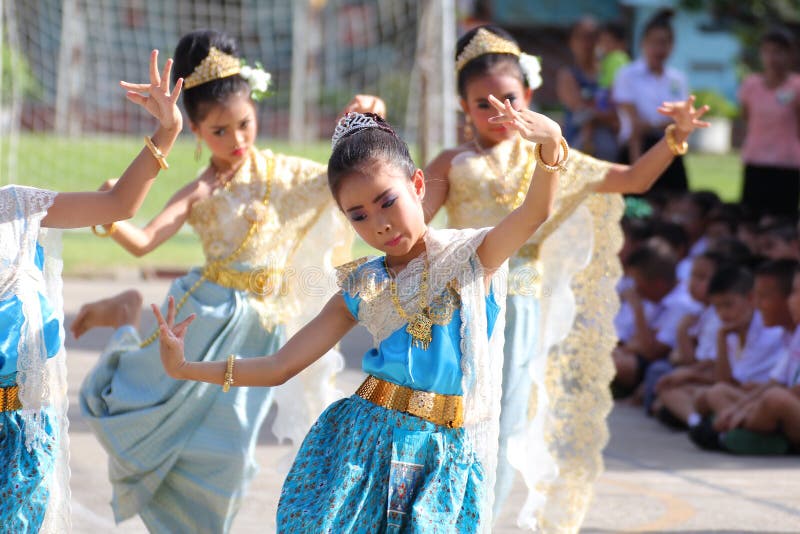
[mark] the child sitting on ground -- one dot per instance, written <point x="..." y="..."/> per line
<point x="745" y="364"/>
<point x="652" y="268"/>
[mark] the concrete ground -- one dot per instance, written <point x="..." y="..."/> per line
<point x="655" y="479"/>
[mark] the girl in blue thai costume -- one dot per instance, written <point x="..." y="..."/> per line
<point x="34" y="448"/>
<point x="181" y="454"/>
<point x="561" y="293"/>
<point x="414" y="449"/>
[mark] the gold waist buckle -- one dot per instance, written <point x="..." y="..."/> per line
<point x="444" y="410"/>
<point x="9" y="399"/>
<point x="261" y="281"/>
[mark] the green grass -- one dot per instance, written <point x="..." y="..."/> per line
<point x="73" y="165"/>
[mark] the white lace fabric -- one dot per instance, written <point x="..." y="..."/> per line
<point x="451" y="255"/>
<point x="42" y="381"/>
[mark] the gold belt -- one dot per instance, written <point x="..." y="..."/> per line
<point x="262" y="281"/>
<point x="9" y="399"/>
<point x="445" y="410"/>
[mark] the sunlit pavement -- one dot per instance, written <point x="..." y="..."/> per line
<point x="655" y="479"/>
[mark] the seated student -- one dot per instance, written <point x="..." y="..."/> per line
<point x="670" y="386"/>
<point x="652" y="268"/>
<point x="779" y="241"/>
<point x="692" y="211"/>
<point x="636" y="231"/>
<point x="678" y="240"/>
<point x="750" y="342"/>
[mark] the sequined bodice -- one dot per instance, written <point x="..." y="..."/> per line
<point x="298" y="192"/>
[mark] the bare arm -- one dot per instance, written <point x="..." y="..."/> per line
<point x="644" y="340"/>
<point x="722" y="368"/>
<point x="74" y="210"/>
<point x="140" y="241"/>
<point x="517" y="227"/>
<point x="645" y="170"/>
<point x="304" y="348"/>
<point x="686" y="344"/>
<point x="437" y="184"/>
<point x="568" y="91"/>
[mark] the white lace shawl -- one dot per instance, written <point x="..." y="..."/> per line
<point x="451" y="255"/>
<point x="42" y="382"/>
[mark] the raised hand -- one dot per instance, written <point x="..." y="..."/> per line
<point x="156" y="97"/>
<point x="532" y="126"/>
<point x="366" y="104"/>
<point x="684" y="114"/>
<point x="171" y="338"/>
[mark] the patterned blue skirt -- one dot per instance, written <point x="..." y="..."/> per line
<point x="24" y="474"/>
<point x="363" y="468"/>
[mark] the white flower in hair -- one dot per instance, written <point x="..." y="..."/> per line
<point x="258" y="79"/>
<point x="351" y="122"/>
<point x="532" y="69"/>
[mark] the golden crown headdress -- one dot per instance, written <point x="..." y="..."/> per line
<point x="485" y="42"/>
<point x="214" y="66"/>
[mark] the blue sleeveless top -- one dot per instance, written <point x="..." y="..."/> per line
<point x="11" y="321"/>
<point x="397" y="360"/>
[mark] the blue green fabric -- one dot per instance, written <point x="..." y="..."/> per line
<point x="181" y="453"/>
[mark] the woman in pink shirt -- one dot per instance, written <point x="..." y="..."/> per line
<point x="771" y="152"/>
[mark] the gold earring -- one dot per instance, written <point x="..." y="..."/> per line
<point x="198" y="150"/>
<point x="469" y="133"/>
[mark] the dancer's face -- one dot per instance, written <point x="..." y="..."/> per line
<point x="384" y="206"/>
<point x="229" y="129"/>
<point x="475" y="103"/>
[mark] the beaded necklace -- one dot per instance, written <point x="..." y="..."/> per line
<point x="501" y="187"/>
<point x="420" y="324"/>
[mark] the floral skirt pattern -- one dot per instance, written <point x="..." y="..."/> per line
<point x="363" y="468"/>
<point x="24" y="475"/>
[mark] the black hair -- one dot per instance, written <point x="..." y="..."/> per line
<point x="782" y="271"/>
<point x="731" y="279"/>
<point x="674" y="234"/>
<point x="615" y="30"/>
<point x="654" y="261"/>
<point x="191" y="50"/>
<point x="733" y="250"/>
<point x="638" y="228"/>
<point x="784" y="232"/>
<point x="662" y="20"/>
<point x="779" y="36"/>
<point x="481" y="65"/>
<point x="362" y="148"/>
<point x="705" y="201"/>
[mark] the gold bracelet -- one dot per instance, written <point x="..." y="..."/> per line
<point x="228" y="382"/>
<point x="154" y="150"/>
<point x="560" y="165"/>
<point x="107" y="233"/>
<point x="674" y="147"/>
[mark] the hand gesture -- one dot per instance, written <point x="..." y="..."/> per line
<point x="366" y="104"/>
<point x="532" y="126"/>
<point x="155" y="96"/>
<point x="171" y="338"/>
<point x="684" y="114"/>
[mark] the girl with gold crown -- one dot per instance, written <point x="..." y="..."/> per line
<point x="414" y="449"/>
<point x="34" y="445"/>
<point x="561" y="294"/>
<point x="181" y="454"/>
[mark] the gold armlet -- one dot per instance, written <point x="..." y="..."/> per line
<point x="106" y="233"/>
<point x="156" y="152"/>
<point x="560" y="165"/>
<point x="228" y="382"/>
<point x="674" y="147"/>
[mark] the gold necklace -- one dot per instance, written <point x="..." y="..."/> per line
<point x="420" y="325"/>
<point x="503" y="196"/>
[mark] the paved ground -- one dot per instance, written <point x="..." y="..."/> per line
<point x="655" y="480"/>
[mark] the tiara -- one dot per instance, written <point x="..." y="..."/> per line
<point x="216" y="65"/>
<point x="350" y="123"/>
<point x="485" y="42"/>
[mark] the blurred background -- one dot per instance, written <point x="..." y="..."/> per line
<point x="64" y="121"/>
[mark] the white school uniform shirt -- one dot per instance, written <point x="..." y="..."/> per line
<point x="762" y="350"/>
<point x="670" y="311"/>
<point x="636" y="84"/>
<point x="787" y="370"/>
<point x="705" y="331"/>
